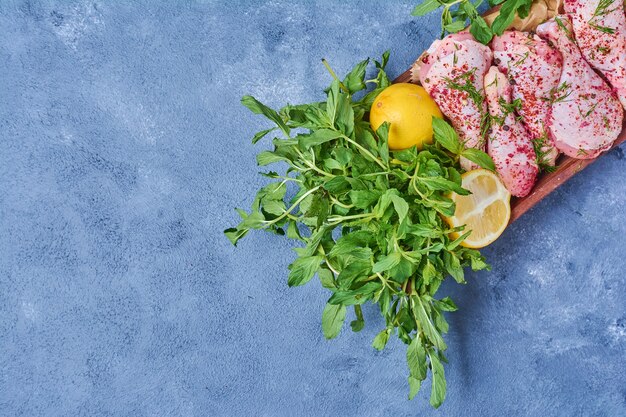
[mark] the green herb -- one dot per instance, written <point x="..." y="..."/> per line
<point x="602" y="10"/>
<point x="464" y="83"/>
<point x="457" y="14"/>
<point x="560" y="94"/>
<point x="543" y="149"/>
<point x="370" y="221"/>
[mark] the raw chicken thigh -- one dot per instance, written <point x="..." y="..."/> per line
<point x="534" y="70"/>
<point x="600" y="31"/>
<point x="452" y="72"/>
<point x="586" y="115"/>
<point x="509" y="142"/>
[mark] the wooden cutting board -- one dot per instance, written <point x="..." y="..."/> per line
<point x="567" y="167"/>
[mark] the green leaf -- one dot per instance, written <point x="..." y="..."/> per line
<point x="327" y="278"/>
<point x="235" y="234"/>
<point x="317" y="138"/>
<point x="454" y="244"/>
<point x="333" y="317"/>
<point x="332" y="101"/>
<point x="358" y="296"/>
<point x="387" y="262"/>
<point x="267" y="157"/>
<point x="507" y="14"/>
<point x="354" y="81"/>
<point x="446" y="304"/>
<point x="478" y="263"/>
<point x="414" y="387"/>
<point x="363" y="199"/>
<point x="259" y="108"/>
<point x="253" y="221"/>
<point x="383" y="141"/>
<point x="426" y="324"/>
<point x="358" y="324"/>
<point x="438" y="390"/>
<point x="429" y="273"/>
<point x="425" y="7"/>
<point x="303" y="269"/>
<point x="384" y="202"/>
<point x="442" y="184"/>
<point x="274" y="191"/>
<point x="454" y="268"/>
<point x="260" y="135"/>
<point x="402" y="271"/>
<point x="481" y="30"/>
<point x="380" y="341"/>
<point x="337" y="185"/>
<point x="292" y="231"/>
<point x="401" y="206"/>
<point x="446" y="136"/>
<point x="416" y="359"/>
<point x="479" y="157"/>
<point x="276" y="207"/>
<point x="456" y="26"/>
<point x="344" y="119"/>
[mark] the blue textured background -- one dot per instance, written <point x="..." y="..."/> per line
<point x="123" y="151"/>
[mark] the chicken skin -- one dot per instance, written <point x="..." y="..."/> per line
<point x="586" y="114"/>
<point x="452" y="71"/>
<point x="534" y="70"/>
<point x="600" y="31"/>
<point x="509" y="142"/>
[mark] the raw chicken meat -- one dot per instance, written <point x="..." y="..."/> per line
<point x="452" y="71"/>
<point x="586" y="114"/>
<point x="600" y="31"/>
<point x="534" y="69"/>
<point x="509" y="142"/>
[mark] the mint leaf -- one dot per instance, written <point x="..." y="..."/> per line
<point x="438" y="390"/>
<point x="414" y="387"/>
<point x="507" y="14"/>
<point x="257" y="107"/>
<point x="426" y="324"/>
<point x="257" y="137"/>
<point x="446" y="136"/>
<point x="234" y="234"/>
<point x="303" y="269"/>
<point x="387" y="262"/>
<point x="354" y="81"/>
<point x="317" y="138"/>
<point x="333" y="317"/>
<point x="401" y="207"/>
<point x="426" y="7"/>
<point x="479" y="157"/>
<point x="416" y="359"/>
<point x="380" y="341"/>
<point x="267" y="157"/>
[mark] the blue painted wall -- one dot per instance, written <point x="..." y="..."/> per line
<point x="123" y="149"/>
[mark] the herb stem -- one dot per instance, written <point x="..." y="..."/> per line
<point x="340" y="204"/>
<point x="332" y="73"/>
<point x="268" y="223"/>
<point x="340" y="219"/>
<point x="331" y="267"/>
<point x="368" y="153"/>
<point x="313" y="166"/>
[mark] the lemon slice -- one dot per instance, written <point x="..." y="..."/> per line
<point x="485" y="212"/>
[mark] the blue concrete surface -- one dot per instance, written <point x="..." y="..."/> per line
<point x="123" y="151"/>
